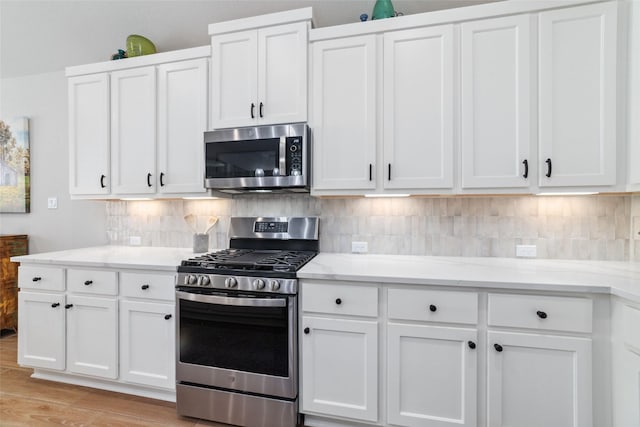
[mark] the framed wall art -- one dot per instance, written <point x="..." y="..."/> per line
<point x="15" y="166"/>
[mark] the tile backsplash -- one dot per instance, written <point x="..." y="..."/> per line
<point x="577" y="227"/>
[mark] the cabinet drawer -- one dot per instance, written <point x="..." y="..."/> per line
<point x="92" y="281"/>
<point x="340" y="299"/>
<point x="631" y="331"/>
<point x="433" y="306"/>
<point x="145" y="285"/>
<point x="45" y="278"/>
<point x="540" y="312"/>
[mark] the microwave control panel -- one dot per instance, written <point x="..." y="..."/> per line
<point x="294" y="155"/>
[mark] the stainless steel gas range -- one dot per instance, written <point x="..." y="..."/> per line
<point x="237" y="310"/>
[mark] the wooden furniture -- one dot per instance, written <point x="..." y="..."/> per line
<point x="10" y="245"/>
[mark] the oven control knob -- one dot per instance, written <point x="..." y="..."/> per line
<point x="191" y="280"/>
<point x="258" y="284"/>
<point x="274" y="285"/>
<point x="204" y="281"/>
<point x="230" y="282"/>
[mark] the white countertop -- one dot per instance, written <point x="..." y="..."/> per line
<point x="615" y="277"/>
<point x="122" y="257"/>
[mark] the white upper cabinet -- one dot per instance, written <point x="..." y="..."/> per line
<point x="496" y="103"/>
<point x="182" y="119"/>
<point x="577" y="96"/>
<point x="89" y="134"/>
<point x="343" y="113"/>
<point x="259" y="76"/>
<point x="136" y="125"/>
<point x="418" y="108"/>
<point x="133" y="131"/>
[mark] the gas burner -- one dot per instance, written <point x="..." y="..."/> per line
<point x="248" y="260"/>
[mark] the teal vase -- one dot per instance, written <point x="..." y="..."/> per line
<point x="383" y="9"/>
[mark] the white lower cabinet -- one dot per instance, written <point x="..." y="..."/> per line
<point x="340" y="367"/>
<point x="92" y="335"/>
<point x="538" y="380"/>
<point x="41" y="325"/>
<point x="431" y="375"/>
<point x="147" y="341"/>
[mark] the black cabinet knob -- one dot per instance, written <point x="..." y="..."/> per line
<point x="338" y="301"/>
<point x="253" y="107"/>
<point x="102" y="177"/>
<point x="148" y="179"/>
<point x="68" y="306"/>
<point x="144" y="287"/>
<point x="261" y="107"/>
<point x="36" y="279"/>
<point x="498" y="347"/>
<point x="167" y="316"/>
<point x="88" y="282"/>
<point x="161" y="179"/>
<point x="432" y="308"/>
<point x="525" y="175"/>
<point x="541" y="314"/>
<point x="471" y="344"/>
<point x="55" y="304"/>
<point x="307" y="330"/>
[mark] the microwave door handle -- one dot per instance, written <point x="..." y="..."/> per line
<point x="283" y="156"/>
<point x="237" y="301"/>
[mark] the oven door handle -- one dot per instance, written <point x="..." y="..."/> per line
<point x="239" y="301"/>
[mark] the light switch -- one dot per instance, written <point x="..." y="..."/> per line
<point x="52" y="203"/>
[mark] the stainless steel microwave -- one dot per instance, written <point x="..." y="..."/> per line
<point x="258" y="159"/>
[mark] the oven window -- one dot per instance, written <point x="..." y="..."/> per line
<point x="249" y="339"/>
<point x="242" y="159"/>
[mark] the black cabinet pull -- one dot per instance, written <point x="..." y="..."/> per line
<point x="548" y="162"/>
<point x="161" y="179"/>
<point x="432" y="308"/>
<point x="370" y="172"/>
<point x="498" y="347"/>
<point x="525" y="162"/>
<point x="389" y="171"/>
<point x="541" y="314"/>
<point x="261" y="107"/>
<point x="144" y="287"/>
<point x="148" y="180"/>
<point x="36" y="279"/>
<point x="471" y="345"/>
<point x="102" y="177"/>
<point x="68" y="306"/>
<point x="55" y="304"/>
<point x="253" y="107"/>
<point x="338" y="301"/>
<point x="167" y="316"/>
<point x="307" y="330"/>
<point x="88" y="282"/>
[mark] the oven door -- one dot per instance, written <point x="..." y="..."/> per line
<point x="244" y="343"/>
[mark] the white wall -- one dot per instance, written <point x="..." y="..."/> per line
<point x="43" y="99"/>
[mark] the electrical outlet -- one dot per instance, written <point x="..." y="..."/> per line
<point x="135" y="240"/>
<point x="359" y="247"/>
<point x="526" y="251"/>
<point x="52" y="203"/>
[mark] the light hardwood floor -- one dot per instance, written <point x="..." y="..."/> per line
<point x="25" y="401"/>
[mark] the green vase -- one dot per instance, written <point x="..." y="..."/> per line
<point x="383" y="9"/>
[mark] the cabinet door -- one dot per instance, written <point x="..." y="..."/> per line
<point x="343" y="113"/>
<point x="92" y="331"/>
<point x="89" y="134"/>
<point x="627" y="405"/>
<point x="340" y="368"/>
<point x="418" y="108"/>
<point x="182" y="119"/>
<point x="536" y="380"/>
<point x="496" y="100"/>
<point x="282" y="74"/>
<point x="147" y="340"/>
<point x="432" y="375"/>
<point x="234" y="76"/>
<point x="577" y="87"/>
<point x="41" y="322"/>
<point x="133" y="131"/>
